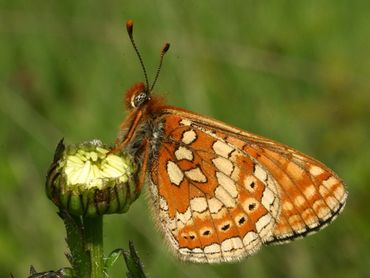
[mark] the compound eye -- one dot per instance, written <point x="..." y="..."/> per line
<point x="139" y="99"/>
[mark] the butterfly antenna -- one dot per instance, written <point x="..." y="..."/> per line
<point x="164" y="50"/>
<point x="130" y="29"/>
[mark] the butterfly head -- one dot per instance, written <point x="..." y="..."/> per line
<point x="140" y="94"/>
<point x="137" y="96"/>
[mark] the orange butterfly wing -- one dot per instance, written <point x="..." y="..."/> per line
<point x="222" y="192"/>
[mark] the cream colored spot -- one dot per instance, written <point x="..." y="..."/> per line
<point x="263" y="225"/>
<point x="225" y="197"/>
<point x="228" y="184"/>
<point x="189" y="137"/>
<point x="309" y="191"/>
<point x="231" y="244"/>
<point x="309" y="218"/>
<point x="260" y="173"/>
<point x="201" y="215"/>
<point x="287" y="233"/>
<point x="299" y="201"/>
<point x="195" y="254"/>
<point x="275" y="204"/>
<point x="287" y="206"/>
<point x="298" y="228"/>
<point x="295" y="222"/>
<point x="196" y="257"/>
<point x="323" y="190"/>
<point x="238" y="246"/>
<point x="295" y="171"/>
<point x="185" y="251"/>
<point x="272" y="185"/>
<point x="214" y="205"/>
<point x="321" y="209"/>
<point x="163" y="204"/>
<point x="317" y="204"/>
<point x="332" y="203"/>
<point x="315" y="170"/>
<point x="250" y="183"/>
<point x="251" y="240"/>
<point x="174" y="172"/>
<point x="221" y="214"/>
<point x="330" y="182"/>
<point x="185" y="122"/>
<point x="224" y="165"/>
<point x="196" y="175"/>
<point x="339" y="193"/>
<point x="183" y="153"/>
<point x="268" y="198"/>
<point x="183" y="217"/>
<point x="198" y="251"/>
<point x="294" y="218"/>
<point x="198" y="204"/>
<point x="235" y="174"/>
<point x="212" y="249"/>
<point x="222" y="148"/>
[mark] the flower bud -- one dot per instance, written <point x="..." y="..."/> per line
<point x="88" y="180"/>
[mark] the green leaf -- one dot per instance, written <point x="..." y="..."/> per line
<point x="112" y="258"/>
<point x="133" y="263"/>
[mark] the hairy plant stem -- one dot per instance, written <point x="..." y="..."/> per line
<point x="94" y="243"/>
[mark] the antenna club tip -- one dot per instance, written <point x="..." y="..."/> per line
<point x="129" y="26"/>
<point x="166" y="47"/>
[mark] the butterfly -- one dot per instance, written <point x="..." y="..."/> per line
<point x="220" y="193"/>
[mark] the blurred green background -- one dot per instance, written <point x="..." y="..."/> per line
<point x="294" y="71"/>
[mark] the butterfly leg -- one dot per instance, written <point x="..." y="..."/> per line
<point x="134" y="119"/>
<point x="144" y="166"/>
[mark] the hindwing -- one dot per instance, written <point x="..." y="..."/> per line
<point x="221" y="192"/>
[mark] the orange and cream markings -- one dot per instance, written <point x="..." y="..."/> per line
<point x="220" y="193"/>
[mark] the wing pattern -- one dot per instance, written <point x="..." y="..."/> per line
<point x="222" y="193"/>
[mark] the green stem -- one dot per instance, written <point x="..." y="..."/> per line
<point x="78" y="257"/>
<point x="94" y="243"/>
